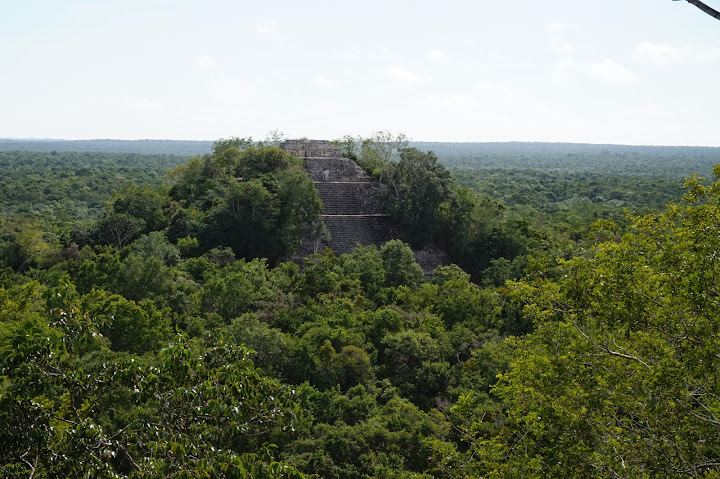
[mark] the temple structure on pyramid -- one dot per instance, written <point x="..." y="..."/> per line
<point x="352" y="211"/>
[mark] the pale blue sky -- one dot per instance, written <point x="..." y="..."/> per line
<point x="598" y="71"/>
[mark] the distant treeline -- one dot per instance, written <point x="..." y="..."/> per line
<point x="559" y="190"/>
<point x="656" y="161"/>
<point x="145" y="147"/>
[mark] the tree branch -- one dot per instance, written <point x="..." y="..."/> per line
<point x="33" y="466"/>
<point x="127" y="455"/>
<point x="603" y="347"/>
<point x="710" y="11"/>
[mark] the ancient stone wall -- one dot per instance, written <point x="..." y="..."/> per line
<point x="310" y="148"/>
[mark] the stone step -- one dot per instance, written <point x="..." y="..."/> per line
<point x="335" y="169"/>
<point x="349" y="198"/>
<point x="349" y="230"/>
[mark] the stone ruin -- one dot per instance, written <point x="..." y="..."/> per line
<point x="310" y="148"/>
<point x="352" y="212"/>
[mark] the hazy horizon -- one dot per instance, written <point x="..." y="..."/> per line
<point x="412" y="141"/>
<point x="625" y="72"/>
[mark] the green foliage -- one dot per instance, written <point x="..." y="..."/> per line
<point x="60" y="188"/>
<point x="619" y="374"/>
<point x="257" y="201"/>
<point x="188" y="246"/>
<point x="129" y="326"/>
<point x="223" y="144"/>
<point x="348" y="146"/>
<point x="237" y="289"/>
<point x="425" y="200"/>
<point x="600" y="362"/>
<point x="562" y="191"/>
<point x="383" y="144"/>
<point x="459" y="300"/>
<point x="322" y="274"/>
<point x="362" y="434"/>
<point x="244" y="217"/>
<point x="116" y="229"/>
<point x="674" y="162"/>
<point x="24" y="245"/>
<point x="271" y="346"/>
<point x="365" y="263"/>
<point x="195" y="411"/>
<point x="479" y="237"/>
<point x="419" y="185"/>
<point x="156" y="245"/>
<point x="145" y="204"/>
<point x="375" y="152"/>
<point x="98" y="270"/>
<point x="400" y="265"/>
<point x="132" y="148"/>
<point x="141" y="278"/>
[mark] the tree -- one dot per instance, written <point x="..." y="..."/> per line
<point x="233" y="142"/>
<point x="619" y="377"/>
<point x="377" y="150"/>
<point x="143" y="203"/>
<point x="118" y="229"/>
<point x="243" y="218"/>
<point x="131" y="327"/>
<point x="274" y="138"/>
<point x="156" y="245"/>
<point x="413" y="362"/>
<point x="256" y="200"/>
<point x="400" y="265"/>
<point x="300" y="209"/>
<point x="349" y="146"/>
<point x="140" y="278"/>
<point x="419" y="185"/>
<point x="237" y="289"/>
<point x="383" y="144"/>
<point x="478" y="236"/>
<point x="23" y="244"/>
<point x="366" y="264"/>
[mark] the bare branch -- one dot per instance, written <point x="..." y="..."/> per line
<point x="603" y="347"/>
<point x="709" y="10"/>
<point x="33" y="465"/>
<point x="127" y="455"/>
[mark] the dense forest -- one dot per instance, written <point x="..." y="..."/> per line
<point x="152" y="323"/>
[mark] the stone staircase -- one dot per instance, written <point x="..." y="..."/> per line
<point x="352" y="212"/>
